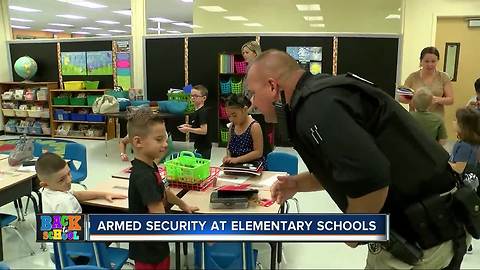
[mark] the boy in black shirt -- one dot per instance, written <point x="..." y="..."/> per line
<point x="147" y="192"/>
<point x="198" y="122"/>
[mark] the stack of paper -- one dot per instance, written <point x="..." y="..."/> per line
<point x="254" y="168"/>
<point x="405" y="91"/>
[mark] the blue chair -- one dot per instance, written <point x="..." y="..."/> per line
<point x="234" y="255"/>
<point x="282" y="162"/>
<point x="95" y="254"/>
<point x="4" y="266"/>
<point x="82" y="267"/>
<point x="77" y="152"/>
<point x="6" y="221"/>
<point x="37" y="149"/>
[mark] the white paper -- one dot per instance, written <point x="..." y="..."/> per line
<point x="26" y="169"/>
<point x="268" y="182"/>
<point x="235" y="179"/>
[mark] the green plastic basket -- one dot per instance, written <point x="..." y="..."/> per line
<point x="181" y="96"/>
<point x="224" y="135"/>
<point x="60" y="101"/>
<point x="91" y="99"/>
<point x="91" y="84"/>
<point x="187" y="168"/>
<point x="78" y="101"/>
<point x="237" y="86"/>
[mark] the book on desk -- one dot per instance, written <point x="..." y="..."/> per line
<point x="251" y="168"/>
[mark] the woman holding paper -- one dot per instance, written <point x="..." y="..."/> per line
<point x="428" y="76"/>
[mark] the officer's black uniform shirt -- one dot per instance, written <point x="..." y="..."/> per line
<point x="145" y="187"/>
<point x="356" y="142"/>
<point x="198" y="118"/>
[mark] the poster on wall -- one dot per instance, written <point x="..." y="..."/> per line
<point x="310" y="58"/>
<point x="74" y="63"/>
<point x="99" y="63"/>
<point x="123" y="70"/>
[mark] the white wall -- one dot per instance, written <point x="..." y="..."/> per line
<point x="420" y="20"/>
<point x="5" y="35"/>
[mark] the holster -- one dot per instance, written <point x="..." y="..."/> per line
<point x="403" y="250"/>
<point x="467" y="206"/>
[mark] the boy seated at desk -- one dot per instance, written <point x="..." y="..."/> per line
<point x="57" y="196"/>
<point x="147" y="192"/>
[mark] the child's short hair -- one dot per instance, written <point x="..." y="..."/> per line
<point x="422" y="99"/>
<point x="203" y="90"/>
<point x="48" y="164"/>
<point x="468" y="121"/>
<point x="477" y="85"/>
<point x="140" y="121"/>
<point x="238" y="101"/>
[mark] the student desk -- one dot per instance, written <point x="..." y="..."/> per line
<point x="201" y="199"/>
<point x="13" y="185"/>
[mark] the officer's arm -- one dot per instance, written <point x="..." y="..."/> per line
<point x="370" y="203"/>
<point x="306" y="181"/>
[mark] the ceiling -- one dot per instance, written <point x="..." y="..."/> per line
<point x="175" y="10"/>
<point x="364" y="16"/>
<point x="352" y="16"/>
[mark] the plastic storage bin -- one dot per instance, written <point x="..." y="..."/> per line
<point x="91" y="84"/>
<point x="240" y="67"/>
<point x="78" y="101"/>
<point x="77" y="133"/>
<point x="237" y="85"/>
<point x="42" y="94"/>
<point x="22" y="129"/>
<point x="34" y="113"/>
<point x="35" y="130"/>
<point x="8" y="112"/>
<point x="225" y="86"/>
<point x="61" y="115"/>
<point x="11" y="128"/>
<point x="45" y="114"/>
<point x="46" y="130"/>
<point x="78" y="116"/>
<point x="60" y="101"/>
<point x="74" y="85"/>
<point x="91" y="99"/>
<point x="21" y="113"/>
<point x="91" y="117"/>
<point x="187" y="168"/>
<point x="224" y="135"/>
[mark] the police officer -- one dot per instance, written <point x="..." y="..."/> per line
<point x="363" y="148"/>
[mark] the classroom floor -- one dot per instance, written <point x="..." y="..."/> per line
<point x="296" y="255"/>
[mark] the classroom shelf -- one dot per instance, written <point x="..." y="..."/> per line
<point x="79" y="122"/>
<point x="71" y="106"/>
<point x="79" y="137"/>
<point x="79" y="90"/>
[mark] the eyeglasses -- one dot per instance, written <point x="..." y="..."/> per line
<point x="196" y="96"/>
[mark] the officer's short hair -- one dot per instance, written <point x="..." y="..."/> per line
<point x="422" y="99"/>
<point x="468" y="121"/>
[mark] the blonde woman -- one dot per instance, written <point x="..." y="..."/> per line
<point x="251" y="50"/>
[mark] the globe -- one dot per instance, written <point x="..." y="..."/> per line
<point x="25" y="67"/>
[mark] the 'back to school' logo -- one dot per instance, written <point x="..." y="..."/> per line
<point x="60" y="227"/>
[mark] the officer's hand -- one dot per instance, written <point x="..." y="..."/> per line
<point x="283" y="189"/>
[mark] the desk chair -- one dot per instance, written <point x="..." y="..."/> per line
<point x="77" y="152"/>
<point x="6" y="221"/>
<point x="282" y="162"/>
<point x="234" y="255"/>
<point x="95" y="254"/>
<point x="4" y="266"/>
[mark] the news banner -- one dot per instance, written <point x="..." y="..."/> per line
<point x="221" y="227"/>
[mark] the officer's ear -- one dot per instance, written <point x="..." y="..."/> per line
<point x="273" y="84"/>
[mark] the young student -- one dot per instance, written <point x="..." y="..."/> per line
<point x="431" y="123"/>
<point x="198" y="122"/>
<point x="125" y="141"/>
<point x="57" y="196"/>
<point x="246" y="137"/>
<point x="147" y="192"/>
<point x="474" y="102"/>
<point x="467" y="148"/>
